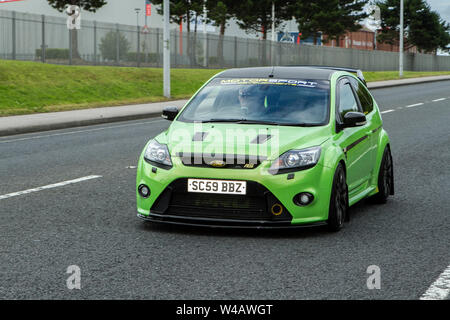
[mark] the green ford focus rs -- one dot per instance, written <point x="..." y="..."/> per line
<point x="269" y="147"/>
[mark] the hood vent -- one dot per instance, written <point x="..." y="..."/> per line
<point x="261" y="138"/>
<point x="199" y="136"/>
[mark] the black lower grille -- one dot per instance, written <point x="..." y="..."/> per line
<point x="216" y="201"/>
<point x="255" y="205"/>
<point x="217" y="205"/>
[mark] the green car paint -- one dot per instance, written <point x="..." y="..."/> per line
<point x="360" y="149"/>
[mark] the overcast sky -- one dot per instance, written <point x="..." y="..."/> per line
<point x="442" y="7"/>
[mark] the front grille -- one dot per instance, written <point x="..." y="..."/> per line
<point x="255" y="205"/>
<point x="229" y="161"/>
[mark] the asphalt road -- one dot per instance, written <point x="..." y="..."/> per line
<point x="93" y="224"/>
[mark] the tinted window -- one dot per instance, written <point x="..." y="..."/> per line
<point x="347" y="101"/>
<point x="364" y="96"/>
<point x="284" y="101"/>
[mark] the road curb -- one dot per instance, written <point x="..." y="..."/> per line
<point x="74" y="124"/>
<point x="84" y="117"/>
<point x="405" y="82"/>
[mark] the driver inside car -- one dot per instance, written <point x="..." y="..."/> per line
<point x="252" y="101"/>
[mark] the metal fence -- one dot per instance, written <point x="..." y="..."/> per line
<point x="47" y="39"/>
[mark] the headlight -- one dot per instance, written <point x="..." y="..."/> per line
<point x="295" y="160"/>
<point x="157" y="153"/>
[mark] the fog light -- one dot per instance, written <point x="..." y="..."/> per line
<point x="144" y="191"/>
<point x="277" y="209"/>
<point x="303" y="199"/>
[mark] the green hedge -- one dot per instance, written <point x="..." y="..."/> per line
<point x="151" y="57"/>
<point x="213" y="60"/>
<point x="53" y="53"/>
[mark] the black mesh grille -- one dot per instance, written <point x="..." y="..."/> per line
<point x="217" y="206"/>
<point x="215" y="201"/>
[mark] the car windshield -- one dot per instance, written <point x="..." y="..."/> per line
<point x="265" y="101"/>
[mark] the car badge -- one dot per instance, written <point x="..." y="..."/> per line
<point x="217" y="163"/>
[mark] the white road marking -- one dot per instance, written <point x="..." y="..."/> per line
<point x="414" y="105"/>
<point x="50" y="186"/>
<point x="437" y="100"/>
<point x="440" y="289"/>
<point x="387" y="111"/>
<point x="80" y="131"/>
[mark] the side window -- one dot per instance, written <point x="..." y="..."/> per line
<point x="364" y="96"/>
<point x="347" y="101"/>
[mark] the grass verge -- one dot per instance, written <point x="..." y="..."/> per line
<point x="31" y="87"/>
<point x="393" y="75"/>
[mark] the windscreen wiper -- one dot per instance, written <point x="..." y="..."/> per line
<point x="241" y="121"/>
<point x="272" y="123"/>
<point x="300" y="124"/>
<point x="248" y="121"/>
<point x="220" y="120"/>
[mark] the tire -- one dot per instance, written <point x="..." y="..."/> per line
<point x="338" y="211"/>
<point x="385" y="178"/>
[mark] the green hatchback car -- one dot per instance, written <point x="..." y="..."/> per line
<point x="268" y="147"/>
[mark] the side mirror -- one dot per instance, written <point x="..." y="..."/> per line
<point x="354" y="119"/>
<point x="170" y="113"/>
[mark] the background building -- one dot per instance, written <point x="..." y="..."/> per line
<point x="363" y="39"/>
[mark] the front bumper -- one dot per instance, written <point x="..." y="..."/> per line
<point x="224" y="223"/>
<point x="316" y="180"/>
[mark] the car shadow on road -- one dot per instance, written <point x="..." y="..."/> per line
<point x="235" y="232"/>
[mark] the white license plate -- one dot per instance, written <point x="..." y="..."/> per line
<point x="217" y="186"/>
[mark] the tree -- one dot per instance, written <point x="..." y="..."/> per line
<point x="332" y="17"/>
<point x="346" y="18"/>
<point x="255" y="16"/>
<point x="219" y="13"/>
<point x="108" y="46"/>
<point x="425" y="31"/>
<point x="183" y="11"/>
<point x="310" y="17"/>
<point x="88" y="5"/>
<point x="423" y="27"/>
<point x="444" y="36"/>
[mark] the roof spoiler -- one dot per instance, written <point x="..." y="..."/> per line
<point x="358" y="72"/>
